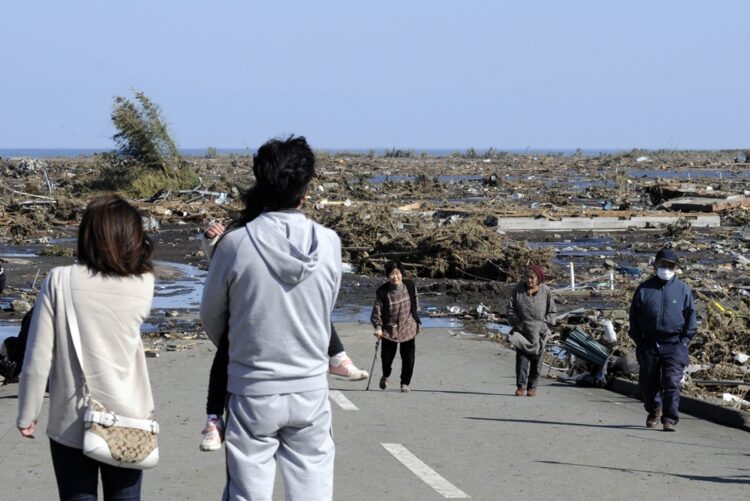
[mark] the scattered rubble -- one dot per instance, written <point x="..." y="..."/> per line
<point x="468" y="226"/>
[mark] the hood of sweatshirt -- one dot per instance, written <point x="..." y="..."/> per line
<point x="288" y="243"/>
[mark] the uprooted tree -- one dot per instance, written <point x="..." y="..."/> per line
<point x="147" y="158"/>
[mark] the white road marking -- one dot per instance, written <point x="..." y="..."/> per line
<point x="342" y="401"/>
<point x="424" y="472"/>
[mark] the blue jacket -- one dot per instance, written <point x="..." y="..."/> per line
<point x="662" y="311"/>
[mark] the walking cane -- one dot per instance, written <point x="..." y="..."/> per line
<point x="373" y="364"/>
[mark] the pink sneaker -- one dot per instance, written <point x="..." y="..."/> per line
<point x="341" y="365"/>
<point x="213" y="435"/>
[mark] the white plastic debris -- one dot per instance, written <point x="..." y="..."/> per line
<point x="150" y="224"/>
<point x="454" y="309"/>
<point x="642" y="159"/>
<point x="222" y="198"/>
<point x="517" y="196"/>
<point x="737" y="401"/>
<point x="610" y="335"/>
<point x="504" y="329"/>
<point x="741" y="358"/>
<point x="347" y="268"/>
<point x="696" y="368"/>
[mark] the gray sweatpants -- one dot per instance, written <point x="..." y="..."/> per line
<point x="293" y="429"/>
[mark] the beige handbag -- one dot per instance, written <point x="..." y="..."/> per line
<point x="108" y="437"/>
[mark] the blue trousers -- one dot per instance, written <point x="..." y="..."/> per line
<point x="661" y="369"/>
<point x="77" y="477"/>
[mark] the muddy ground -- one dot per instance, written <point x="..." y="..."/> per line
<point x="439" y="217"/>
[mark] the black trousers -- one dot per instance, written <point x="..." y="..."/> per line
<point x="77" y="477"/>
<point x="408" y="352"/>
<point x="217" y="379"/>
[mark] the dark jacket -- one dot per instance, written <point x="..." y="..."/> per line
<point x="382" y="295"/>
<point x="662" y="312"/>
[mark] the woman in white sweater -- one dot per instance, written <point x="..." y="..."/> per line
<point x="112" y="287"/>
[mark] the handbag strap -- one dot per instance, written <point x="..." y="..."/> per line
<point x="75" y="335"/>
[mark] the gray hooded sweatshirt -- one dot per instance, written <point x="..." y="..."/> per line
<point x="273" y="284"/>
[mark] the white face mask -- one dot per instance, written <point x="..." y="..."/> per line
<point x="665" y="274"/>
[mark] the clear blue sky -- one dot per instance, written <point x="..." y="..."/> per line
<point x="403" y="73"/>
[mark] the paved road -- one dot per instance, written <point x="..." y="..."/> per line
<point x="460" y="429"/>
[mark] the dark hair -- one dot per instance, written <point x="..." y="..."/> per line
<point x="392" y="265"/>
<point x="111" y="239"/>
<point x="283" y="169"/>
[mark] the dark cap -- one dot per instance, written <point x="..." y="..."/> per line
<point x="666" y="255"/>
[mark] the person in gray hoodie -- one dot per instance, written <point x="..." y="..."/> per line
<point x="272" y="285"/>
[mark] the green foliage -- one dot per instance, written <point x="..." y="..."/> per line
<point x="147" y="159"/>
<point x="212" y="152"/>
<point x="394" y="153"/>
<point x="56" y="250"/>
<point x="143" y="136"/>
<point x="471" y="153"/>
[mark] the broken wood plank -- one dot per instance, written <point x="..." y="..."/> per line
<point x="704" y="204"/>
<point x="603" y="223"/>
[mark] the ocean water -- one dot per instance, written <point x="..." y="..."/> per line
<point x="200" y="152"/>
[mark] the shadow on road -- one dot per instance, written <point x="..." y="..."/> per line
<point x="738" y="479"/>
<point x="395" y="389"/>
<point x="691" y="444"/>
<point x="559" y="423"/>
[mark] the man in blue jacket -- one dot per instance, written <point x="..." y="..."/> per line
<point x="662" y="323"/>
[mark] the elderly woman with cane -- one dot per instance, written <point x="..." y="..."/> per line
<point x="531" y="312"/>
<point x="396" y="322"/>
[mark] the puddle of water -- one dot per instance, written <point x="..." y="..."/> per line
<point x="352" y="313"/>
<point x="504" y="329"/>
<point x="180" y="286"/>
<point x="8" y="330"/>
<point x="19" y="255"/>
<point x="584" y="242"/>
<point x="404" y="179"/>
<point x="581" y="183"/>
<point x="688" y="174"/>
<point x="361" y="314"/>
<point x="181" y="289"/>
<point x="62" y="240"/>
<point x="441" y="323"/>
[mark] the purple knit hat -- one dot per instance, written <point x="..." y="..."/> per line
<point x="538" y="271"/>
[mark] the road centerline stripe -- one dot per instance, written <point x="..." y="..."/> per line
<point x="424" y="472"/>
<point x="342" y="401"/>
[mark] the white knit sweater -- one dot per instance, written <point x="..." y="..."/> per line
<point x="110" y="311"/>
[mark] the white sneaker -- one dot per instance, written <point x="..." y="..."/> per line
<point x="341" y="365"/>
<point x="213" y="435"/>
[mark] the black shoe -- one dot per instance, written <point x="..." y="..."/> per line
<point x="7" y="369"/>
<point x="652" y="421"/>
<point x="383" y="382"/>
